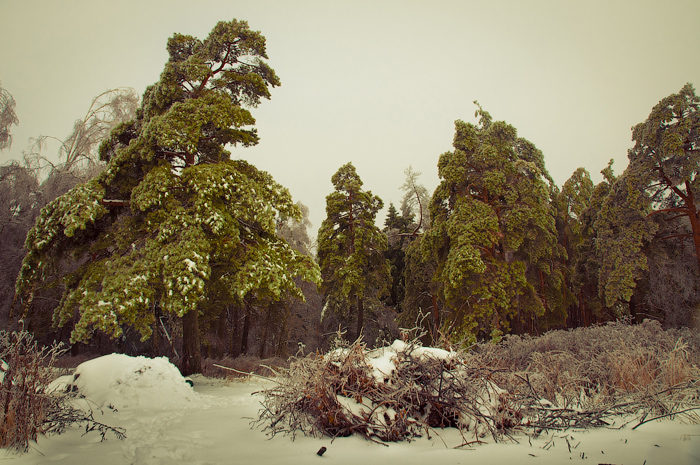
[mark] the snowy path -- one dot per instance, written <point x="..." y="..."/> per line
<point x="215" y="429"/>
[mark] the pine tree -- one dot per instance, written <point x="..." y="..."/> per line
<point x="351" y="249"/>
<point x="493" y="233"/>
<point x="172" y="216"/>
<point x="655" y="199"/>
<point x="570" y="202"/>
<point x="393" y="220"/>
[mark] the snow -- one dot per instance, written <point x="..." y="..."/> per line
<point x="120" y="382"/>
<point x="3" y="368"/>
<point x="167" y="422"/>
<point x="192" y="266"/>
<point x="381" y="360"/>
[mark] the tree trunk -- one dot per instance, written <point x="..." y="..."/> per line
<point x="234" y="346"/>
<point x="246" y="330"/>
<point x="156" y="331"/>
<point x="634" y="310"/>
<point x="266" y="331"/>
<point x="436" y="314"/>
<point x="360" y="317"/>
<point x="191" y="361"/>
<point x="282" y="342"/>
<point x="694" y="220"/>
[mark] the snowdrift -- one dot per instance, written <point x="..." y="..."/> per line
<point x="118" y="381"/>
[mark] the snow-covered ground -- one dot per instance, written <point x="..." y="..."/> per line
<point x="167" y="422"/>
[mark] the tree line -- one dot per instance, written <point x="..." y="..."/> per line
<point x="164" y="245"/>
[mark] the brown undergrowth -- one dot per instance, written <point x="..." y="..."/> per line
<point x="588" y="377"/>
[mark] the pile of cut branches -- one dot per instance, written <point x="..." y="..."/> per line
<point x="388" y="394"/>
<point x="534" y="384"/>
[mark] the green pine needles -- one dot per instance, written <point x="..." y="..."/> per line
<point x="493" y="233"/>
<point x="173" y="215"/>
<point x="351" y="249"/>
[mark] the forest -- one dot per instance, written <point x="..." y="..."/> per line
<point x="148" y="238"/>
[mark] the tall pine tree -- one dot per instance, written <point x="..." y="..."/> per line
<point x="351" y="249"/>
<point x="493" y="234"/>
<point x="657" y="198"/>
<point x="172" y="215"/>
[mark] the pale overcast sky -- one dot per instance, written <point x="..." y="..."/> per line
<point x="378" y="83"/>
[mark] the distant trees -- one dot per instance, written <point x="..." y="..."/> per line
<point x="79" y="151"/>
<point x="19" y="188"/>
<point x="415" y="203"/>
<point x="577" y="205"/>
<point x="172" y="221"/>
<point x="403" y="229"/>
<point x="351" y="250"/>
<point x="8" y="117"/>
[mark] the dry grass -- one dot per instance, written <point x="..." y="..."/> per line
<point x="604" y="362"/>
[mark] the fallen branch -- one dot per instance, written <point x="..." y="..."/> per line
<point x="671" y="414"/>
<point x="244" y="372"/>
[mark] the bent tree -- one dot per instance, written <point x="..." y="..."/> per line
<point x="172" y="215"/>
<point x="493" y="234"/>
<point x="658" y="192"/>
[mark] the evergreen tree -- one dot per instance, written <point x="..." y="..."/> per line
<point x="655" y="199"/>
<point x="493" y="234"/>
<point x="351" y="249"/>
<point x="393" y="221"/>
<point x="172" y="216"/>
<point x="591" y="307"/>
<point x="661" y="178"/>
<point x="570" y="203"/>
<point x="396" y="229"/>
<point x="402" y="230"/>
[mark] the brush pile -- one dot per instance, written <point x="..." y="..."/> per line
<point x="592" y="377"/>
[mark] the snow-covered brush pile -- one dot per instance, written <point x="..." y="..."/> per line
<point x="388" y="394"/>
<point x="566" y="379"/>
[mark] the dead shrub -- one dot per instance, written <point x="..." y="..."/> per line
<point x="28" y="409"/>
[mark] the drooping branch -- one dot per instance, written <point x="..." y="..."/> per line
<point x="683" y="211"/>
<point x="671" y="185"/>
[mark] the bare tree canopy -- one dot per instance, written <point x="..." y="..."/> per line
<point x="78" y="153"/>
<point x="8" y="117"/>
